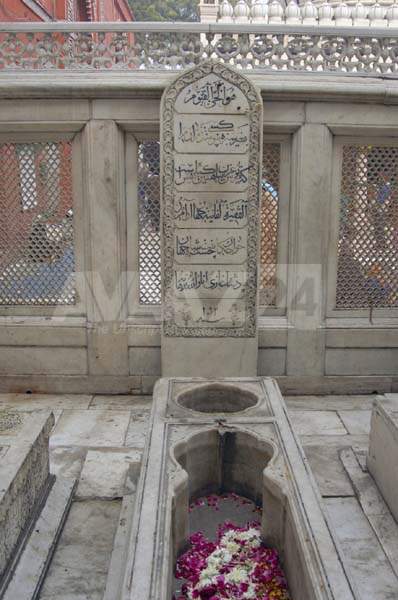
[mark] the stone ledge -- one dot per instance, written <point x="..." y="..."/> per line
<point x="382" y="459"/>
<point x="290" y="86"/>
<point x="24" y="476"/>
<point x="27" y="579"/>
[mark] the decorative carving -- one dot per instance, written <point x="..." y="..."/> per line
<point x="317" y="49"/>
<point x="9" y="421"/>
<point x="244" y="170"/>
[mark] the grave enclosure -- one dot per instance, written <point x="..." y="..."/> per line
<point x="216" y="435"/>
<point x="252" y="196"/>
<point x="254" y="453"/>
<point x="80" y="297"/>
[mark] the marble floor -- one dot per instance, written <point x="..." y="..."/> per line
<point x="99" y="440"/>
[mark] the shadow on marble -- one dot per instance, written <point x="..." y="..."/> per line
<point x="30" y="402"/>
<point x="126" y="402"/>
<point x="333" y="403"/>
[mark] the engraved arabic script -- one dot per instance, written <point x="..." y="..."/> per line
<point x="211" y="94"/>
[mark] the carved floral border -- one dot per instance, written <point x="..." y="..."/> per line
<point x="167" y="186"/>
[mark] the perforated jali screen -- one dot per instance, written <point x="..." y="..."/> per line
<point x="37" y="260"/>
<point x="149" y="222"/>
<point x="269" y="223"/>
<point x="367" y="265"/>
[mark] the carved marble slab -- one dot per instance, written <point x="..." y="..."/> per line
<point x="211" y="174"/>
<point x="231" y="434"/>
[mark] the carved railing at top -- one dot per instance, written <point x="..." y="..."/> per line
<point x="360" y="14"/>
<point x="287" y="39"/>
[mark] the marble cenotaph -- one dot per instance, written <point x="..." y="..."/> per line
<point x="230" y="435"/>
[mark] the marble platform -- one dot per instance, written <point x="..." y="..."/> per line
<point x="87" y="557"/>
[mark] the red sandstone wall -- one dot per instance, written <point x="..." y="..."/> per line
<point x="84" y="10"/>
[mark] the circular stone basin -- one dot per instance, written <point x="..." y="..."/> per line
<point x="217" y="399"/>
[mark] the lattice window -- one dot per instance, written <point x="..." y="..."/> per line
<point x="149" y="222"/>
<point x="367" y="266"/>
<point x="36" y="224"/>
<point x="269" y="223"/>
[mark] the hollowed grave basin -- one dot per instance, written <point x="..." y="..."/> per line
<point x="217" y="398"/>
<point x="224" y="436"/>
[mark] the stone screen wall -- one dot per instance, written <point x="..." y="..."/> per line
<point x="324" y="196"/>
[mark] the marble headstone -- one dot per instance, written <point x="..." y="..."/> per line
<point x="211" y="139"/>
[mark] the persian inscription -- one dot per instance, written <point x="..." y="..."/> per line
<point x="200" y="282"/>
<point x="211" y="135"/>
<point x="215" y="246"/>
<point x="212" y="172"/>
<point x="211" y="209"/>
<point x="212" y="94"/>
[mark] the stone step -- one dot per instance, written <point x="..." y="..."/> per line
<point x="120" y="549"/>
<point x="376" y="510"/>
<point x="382" y="458"/>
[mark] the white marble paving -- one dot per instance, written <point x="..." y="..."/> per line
<point x="333" y="403"/>
<point x="104" y="473"/>
<point x="316" y="422"/>
<point x="67" y="461"/>
<point x="356" y="421"/>
<point x="30" y="402"/>
<point x="374" y="506"/>
<point x="79" y="567"/>
<point x="367" y="563"/>
<point x="328" y="470"/>
<point x="336" y="441"/>
<point x="91" y="428"/>
<point x="97" y="437"/>
<point x="121" y="402"/>
<point x="137" y="430"/>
